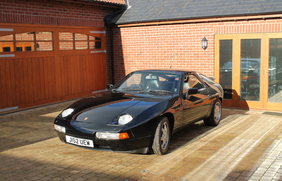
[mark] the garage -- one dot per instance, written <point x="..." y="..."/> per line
<point x="52" y="51"/>
<point x="41" y="64"/>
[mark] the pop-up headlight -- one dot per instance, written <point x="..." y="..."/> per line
<point x="124" y="119"/>
<point x="67" y="112"/>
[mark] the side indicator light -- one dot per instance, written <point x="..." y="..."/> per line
<point x="123" y="136"/>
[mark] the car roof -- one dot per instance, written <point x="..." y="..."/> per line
<point x="167" y="71"/>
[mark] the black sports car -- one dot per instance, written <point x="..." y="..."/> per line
<point x="141" y="112"/>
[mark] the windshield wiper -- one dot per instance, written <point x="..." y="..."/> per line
<point x="161" y="91"/>
<point x="135" y="90"/>
<point x="132" y="89"/>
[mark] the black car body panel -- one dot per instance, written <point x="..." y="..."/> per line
<point x="102" y="113"/>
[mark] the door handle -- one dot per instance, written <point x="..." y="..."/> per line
<point x="176" y="108"/>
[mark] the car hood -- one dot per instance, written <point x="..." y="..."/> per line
<point x="108" y="108"/>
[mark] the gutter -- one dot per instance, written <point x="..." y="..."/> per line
<point x="94" y="2"/>
<point x="107" y="20"/>
<point x="189" y="20"/>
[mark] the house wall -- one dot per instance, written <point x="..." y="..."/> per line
<point x="53" y="13"/>
<point x="177" y="46"/>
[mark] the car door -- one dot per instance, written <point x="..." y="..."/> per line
<point x="195" y="106"/>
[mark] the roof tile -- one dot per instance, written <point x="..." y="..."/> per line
<point x="157" y="10"/>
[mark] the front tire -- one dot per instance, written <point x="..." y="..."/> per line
<point x="215" y="116"/>
<point x="162" y="137"/>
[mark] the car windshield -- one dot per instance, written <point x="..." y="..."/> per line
<point x="149" y="83"/>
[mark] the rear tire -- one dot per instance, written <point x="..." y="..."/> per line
<point x="215" y="116"/>
<point x="162" y="137"/>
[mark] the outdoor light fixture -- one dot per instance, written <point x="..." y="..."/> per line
<point x="204" y="43"/>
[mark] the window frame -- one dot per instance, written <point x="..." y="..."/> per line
<point x="34" y="41"/>
<point x="75" y="41"/>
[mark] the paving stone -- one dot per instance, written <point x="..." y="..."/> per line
<point x="242" y="178"/>
<point x="246" y="145"/>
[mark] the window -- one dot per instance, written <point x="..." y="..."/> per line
<point x="81" y="42"/>
<point x="226" y="61"/>
<point x="19" y="49"/>
<point x="44" y="41"/>
<point x="77" y="41"/>
<point x="275" y="70"/>
<point x="6" y="43"/>
<point x="27" y="49"/>
<point x="191" y="81"/>
<point x="250" y="69"/>
<point x="26" y="42"/>
<point x="207" y="79"/>
<point x="6" y="49"/>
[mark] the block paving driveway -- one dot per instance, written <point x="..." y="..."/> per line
<point x="246" y="145"/>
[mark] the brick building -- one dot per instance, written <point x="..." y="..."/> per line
<point x="52" y="50"/>
<point x="244" y="44"/>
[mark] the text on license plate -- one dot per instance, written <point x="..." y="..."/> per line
<point x="79" y="141"/>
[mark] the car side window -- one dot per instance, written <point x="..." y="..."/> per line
<point x="191" y="81"/>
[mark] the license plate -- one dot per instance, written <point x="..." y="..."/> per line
<point x="79" y="141"/>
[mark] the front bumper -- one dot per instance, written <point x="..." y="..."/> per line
<point x="131" y="144"/>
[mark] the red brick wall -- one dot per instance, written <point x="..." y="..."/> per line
<point x="177" y="46"/>
<point x="54" y="13"/>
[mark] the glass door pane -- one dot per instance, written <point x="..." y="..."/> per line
<point x="250" y="69"/>
<point x="225" y="59"/>
<point x="275" y="70"/>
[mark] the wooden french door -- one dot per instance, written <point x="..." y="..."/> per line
<point x="249" y="68"/>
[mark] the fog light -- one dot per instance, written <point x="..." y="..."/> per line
<point x="60" y="128"/>
<point x="111" y="136"/>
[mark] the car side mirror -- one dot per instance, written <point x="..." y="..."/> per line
<point x="109" y="86"/>
<point x="191" y="91"/>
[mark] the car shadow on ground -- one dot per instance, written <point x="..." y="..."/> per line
<point x="197" y="130"/>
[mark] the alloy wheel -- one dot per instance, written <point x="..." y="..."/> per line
<point x="217" y="111"/>
<point x="164" y="137"/>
